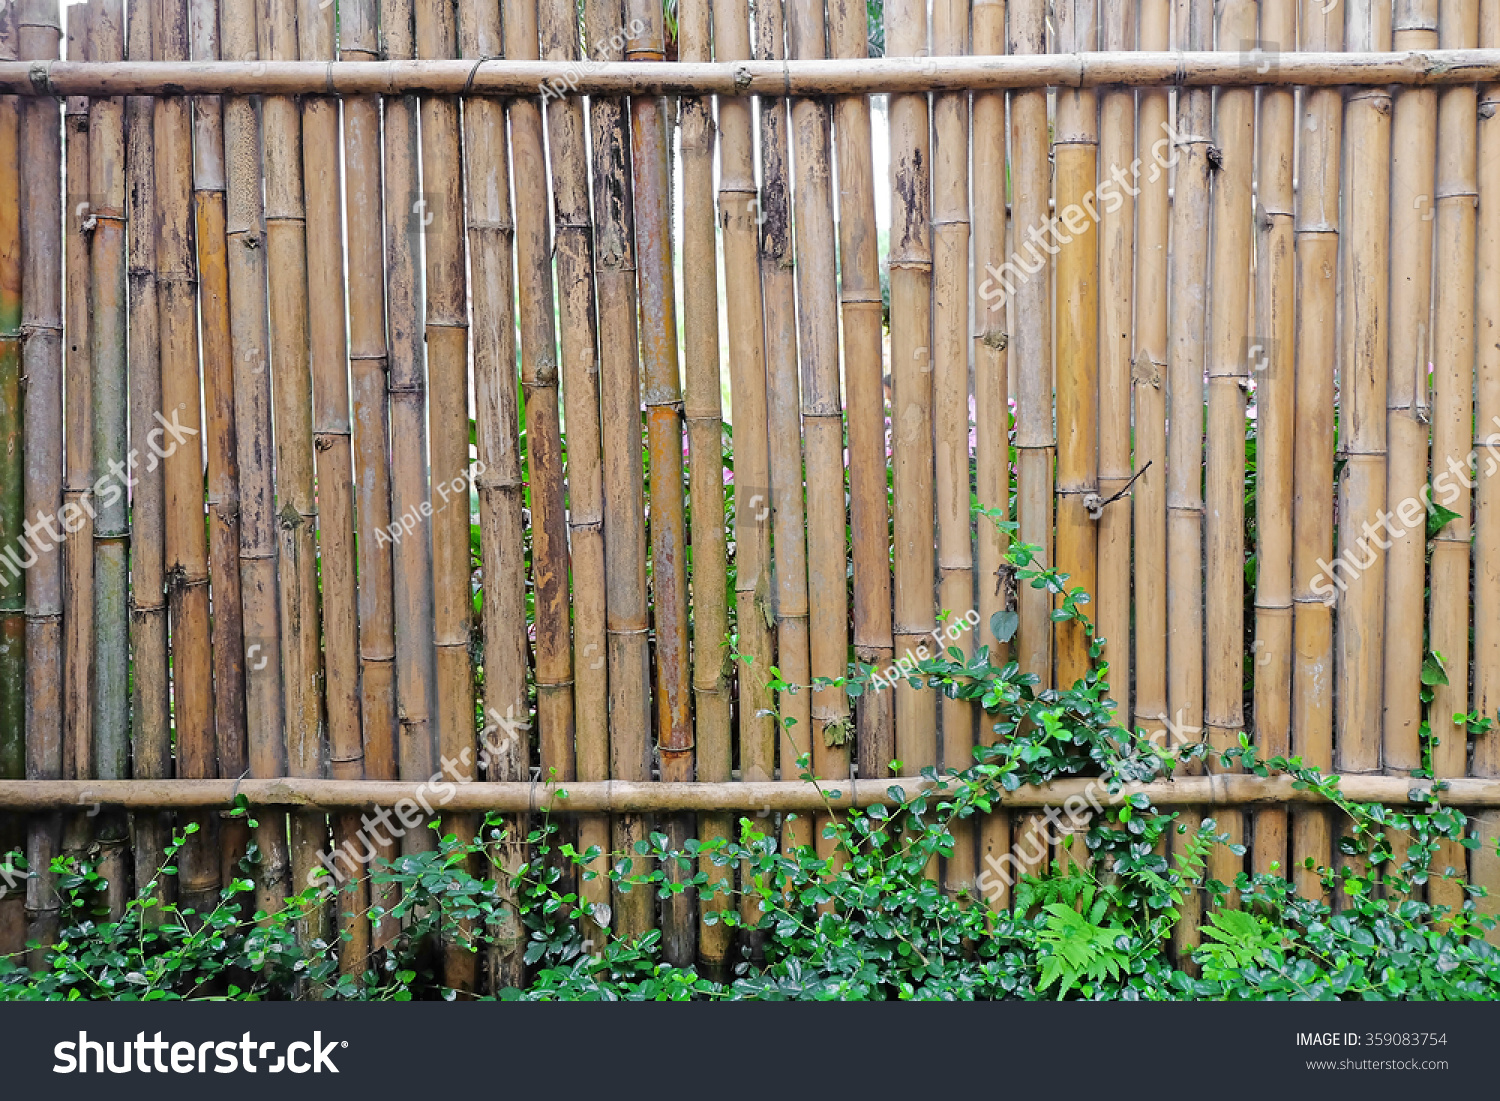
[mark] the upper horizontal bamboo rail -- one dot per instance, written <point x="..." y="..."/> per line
<point x="624" y="796"/>
<point x="796" y="78"/>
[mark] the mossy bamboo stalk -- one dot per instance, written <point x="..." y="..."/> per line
<point x="704" y="409"/>
<point x="245" y="236"/>
<point x="620" y="424"/>
<point x="862" y="308"/>
<point x="12" y="512"/>
<point x="950" y="406"/>
<point x="782" y="497"/>
<point x="1031" y="343"/>
<point x="446" y="327"/>
<point x="1317" y="247"/>
<point x="1453" y="418"/>
<point x="910" y="264"/>
<point x="39" y="36"/>
<point x="991" y="385"/>
<point x="1272" y="365"/>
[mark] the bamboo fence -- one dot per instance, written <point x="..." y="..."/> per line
<point x="396" y="389"/>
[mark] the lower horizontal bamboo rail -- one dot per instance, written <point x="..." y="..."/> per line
<point x="742" y="78"/>
<point x="620" y="796"/>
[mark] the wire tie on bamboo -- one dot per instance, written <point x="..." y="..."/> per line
<point x="1096" y="505"/>
<point x="468" y="84"/>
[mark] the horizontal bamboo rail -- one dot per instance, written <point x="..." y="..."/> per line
<point x="628" y="796"/>
<point x="1195" y="69"/>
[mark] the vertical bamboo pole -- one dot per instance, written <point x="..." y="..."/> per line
<point x="1076" y="155"/>
<point x="783" y="497"/>
<point x="369" y="370"/>
<point x="1228" y="342"/>
<point x="911" y="385"/>
<point x="862" y="308"/>
<point x="223" y="462"/>
<point x="110" y="705"/>
<point x="42" y="432"/>
<point x="1271" y="361"/>
<point x="12" y="513"/>
<point x="406" y="212"/>
<point x="704" y="409"/>
<point x="823" y="413"/>
<point x="1031" y="345"/>
<point x="1453" y="417"/>
<point x="245" y="236"/>
<point x="1116" y="196"/>
<point x="950" y="387"/>
<point x="1188" y="295"/>
<point x="620" y="423"/>
<point x="1408" y="414"/>
<point x="568" y="144"/>
<point x="1317" y="248"/>
<point x="991" y="389"/>
<point x="662" y="390"/>
<point x="447" y="336"/>
<point x="1148" y="378"/>
<point x="151" y="738"/>
<point x="286" y="251"/>
<point x="1486" y="700"/>
<point x="332" y="444"/>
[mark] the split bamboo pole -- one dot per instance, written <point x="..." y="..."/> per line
<point x="1149" y="388"/>
<point x="862" y="308"/>
<point x="1076" y="157"/>
<point x="245" y="236"/>
<point x="406" y="211"/>
<point x="110" y="705"/>
<point x="782" y="496"/>
<point x="1188" y="294"/>
<point x="1031" y="343"/>
<point x="1408" y="405"/>
<point x="1455" y="200"/>
<point x="1271" y="364"/>
<point x="40" y="36"/>
<point x="333" y="458"/>
<point x="446" y="330"/>
<point x="1317" y="260"/>
<point x="1228" y="342"/>
<point x="12" y="512"/>
<point x="568" y="145"/>
<point x="1116" y="195"/>
<point x="661" y="379"/>
<point x="151" y="737"/>
<point x="1484" y="871"/>
<point x="369" y="366"/>
<point x="620" y="425"/>
<point x="950" y="410"/>
<point x="704" y="409"/>
<point x="491" y="239"/>
<point x="991" y="390"/>
<point x="286" y="255"/>
<point x="228" y="642"/>
<point x="910" y="264"/>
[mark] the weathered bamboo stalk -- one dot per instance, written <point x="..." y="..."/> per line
<point x="991" y="387"/>
<point x="620" y="425"/>
<point x="446" y="328"/>
<point x="1031" y="343"/>
<point x="910" y="265"/>
<point x="782" y="497"/>
<point x="39" y="36"/>
<point x="704" y="409"/>
<point x="245" y="235"/>
<point x="1453" y="361"/>
<point x="950" y="409"/>
<point x="1271" y="364"/>
<point x="1317" y="262"/>
<point x="12" y="513"/>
